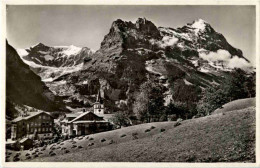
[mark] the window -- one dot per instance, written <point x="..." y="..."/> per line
<point x="32" y="130"/>
<point x="43" y="129"/>
<point x="39" y="129"/>
<point x="47" y="129"/>
<point x="40" y="116"/>
<point x="43" y="117"/>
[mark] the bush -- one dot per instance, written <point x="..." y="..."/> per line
<point x="123" y="135"/>
<point x="80" y="147"/>
<point x="90" y="144"/>
<point x="91" y="139"/>
<point x="162" y="130"/>
<point x="27" y="154"/>
<point x="103" y="140"/>
<point x="53" y="154"/>
<point x="152" y="127"/>
<point x="67" y="151"/>
<point x="28" y="157"/>
<point x="74" y="146"/>
<point x="135" y="135"/>
<point x="16" y="159"/>
<point x="147" y="130"/>
<point x="111" y="142"/>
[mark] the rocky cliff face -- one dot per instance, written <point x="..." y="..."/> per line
<point x="23" y="87"/>
<point x="187" y="59"/>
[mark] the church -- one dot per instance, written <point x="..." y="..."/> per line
<point x="86" y="122"/>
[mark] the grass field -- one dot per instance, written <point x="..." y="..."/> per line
<point x="236" y="105"/>
<point x="222" y="137"/>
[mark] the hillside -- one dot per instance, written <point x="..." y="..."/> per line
<point x="24" y="87"/>
<point x="236" y="105"/>
<point x="217" y="138"/>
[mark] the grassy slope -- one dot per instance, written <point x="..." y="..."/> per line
<point x="220" y="137"/>
<point x="236" y="105"/>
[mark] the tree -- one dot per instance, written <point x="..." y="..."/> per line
<point x="121" y="119"/>
<point x="149" y="101"/>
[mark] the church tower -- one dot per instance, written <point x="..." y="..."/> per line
<point x="99" y="105"/>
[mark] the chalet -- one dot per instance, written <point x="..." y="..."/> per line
<point x="86" y="122"/>
<point x="32" y="125"/>
<point x="83" y="124"/>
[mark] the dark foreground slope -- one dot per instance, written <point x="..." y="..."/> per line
<point x="222" y="137"/>
<point x="23" y="87"/>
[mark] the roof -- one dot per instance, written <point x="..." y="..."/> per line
<point x="31" y="114"/>
<point x="77" y="122"/>
<point x="73" y="114"/>
<point x="82" y="116"/>
<point x="106" y="116"/>
<point x="24" y="139"/>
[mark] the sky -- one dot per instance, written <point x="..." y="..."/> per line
<point x="86" y="26"/>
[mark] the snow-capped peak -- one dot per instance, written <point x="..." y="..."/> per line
<point x="22" y="52"/>
<point x="199" y="24"/>
<point x="72" y="50"/>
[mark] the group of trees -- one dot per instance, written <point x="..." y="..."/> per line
<point x="149" y="101"/>
<point x="236" y="85"/>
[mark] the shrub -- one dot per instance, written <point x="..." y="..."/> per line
<point x="123" y="135"/>
<point x="91" y="139"/>
<point x="134" y="135"/>
<point x="80" y="138"/>
<point x="103" y="140"/>
<point x="40" y="153"/>
<point x="177" y="124"/>
<point x="80" y="147"/>
<point x="28" y="157"/>
<point x="67" y="151"/>
<point x="111" y="142"/>
<point x="27" y="154"/>
<point x="162" y="130"/>
<point x="87" y="137"/>
<point x="90" y="144"/>
<point x="53" y="154"/>
<point x="74" y="146"/>
<point x="147" y="130"/>
<point x="16" y="159"/>
<point x="62" y="143"/>
<point x="152" y="127"/>
<point x="74" y="142"/>
<point x="36" y="156"/>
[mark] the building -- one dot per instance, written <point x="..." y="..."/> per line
<point x="99" y="105"/>
<point x="83" y="123"/>
<point x="86" y="122"/>
<point x="32" y="125"/>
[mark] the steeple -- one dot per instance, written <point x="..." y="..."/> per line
<point x="99" y="98"/>
<point x="99" y="106"/>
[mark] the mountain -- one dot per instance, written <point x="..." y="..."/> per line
<point x="52" y="62"/>
<point x="183" y="61"/>
<point x="57" y="56"/>
<point x="24" y="87"/>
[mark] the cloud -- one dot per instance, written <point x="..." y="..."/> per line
<point x="220" y="55"/>
<point x="228" y="60"/>
<point x="166" y="41"/>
